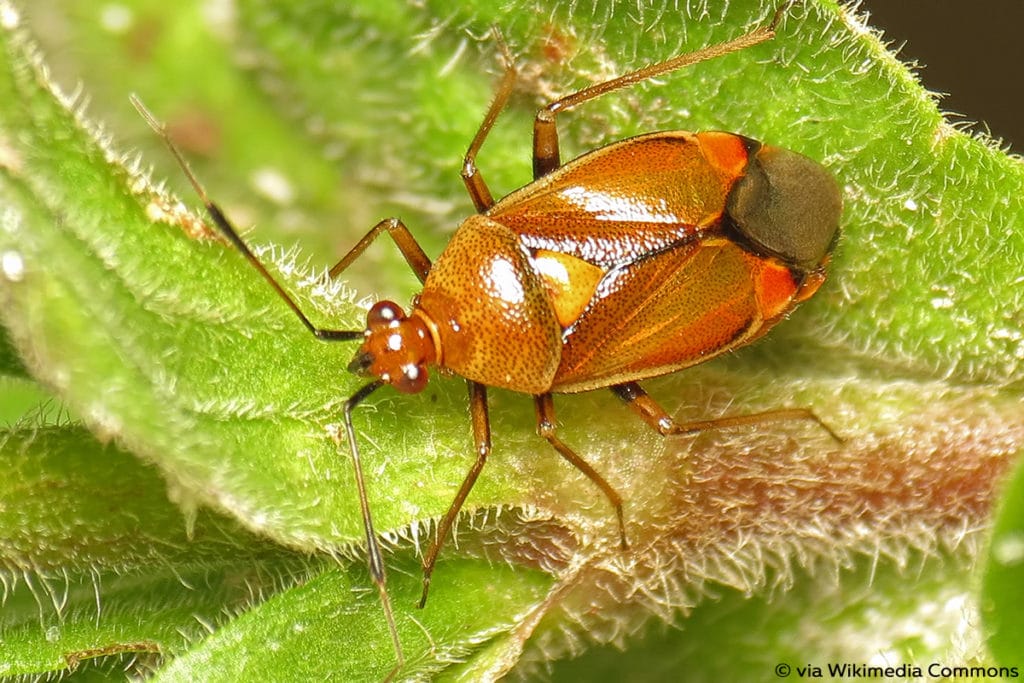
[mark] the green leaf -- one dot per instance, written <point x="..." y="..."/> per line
<point x="71" y="503"/>
<point x="299" y="634"/>
<point x="20" y="398"/>
<point x="816" y="626"/>
<point x="95" y="561"/>
<point x="1003" y="587"/>
<point x="10" y="364"/>
<point x="166" y="340"/>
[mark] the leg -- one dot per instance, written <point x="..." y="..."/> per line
<point x="407" y="244"/>
<point x="546" y="428"/>
<point x="374" y="559"/>
<point x="654" y="415"/>
<point x="475" y="185"/>
<point x="545" y="134"/>
<point x="482" y="440"/>
<point x="228" y="230"/>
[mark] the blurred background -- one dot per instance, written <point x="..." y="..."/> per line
<point x="973" y="52"/>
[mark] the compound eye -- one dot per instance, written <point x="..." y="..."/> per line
<point x="413" y="380"/>
<point x="382" y="314"/>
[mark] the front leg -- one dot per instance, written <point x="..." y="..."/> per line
<point x="482" y="441"/>
<point x="407" y="244"/>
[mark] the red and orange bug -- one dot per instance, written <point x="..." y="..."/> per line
<point x="641" y="258"/>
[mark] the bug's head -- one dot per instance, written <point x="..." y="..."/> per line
<point x="787" y="205"/>
<point x="397" y="348"/>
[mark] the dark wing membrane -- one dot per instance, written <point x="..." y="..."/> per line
<point x="669" y="311"/>
<point x="619" y="203"/>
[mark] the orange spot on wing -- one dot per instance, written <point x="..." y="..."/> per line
<point x="811" y="284"/>
<point x="724" y="151"/>
<point x="776" y="289"/>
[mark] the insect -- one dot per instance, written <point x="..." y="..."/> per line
<point x="641" y="258"/>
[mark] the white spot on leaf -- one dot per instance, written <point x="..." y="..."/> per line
<point x="12" y="266"/>
<point x="1008" y="549"/>
<point x="9" y="17"/>
<point x="273" y="185"/>
<point x="116" y="18"/>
